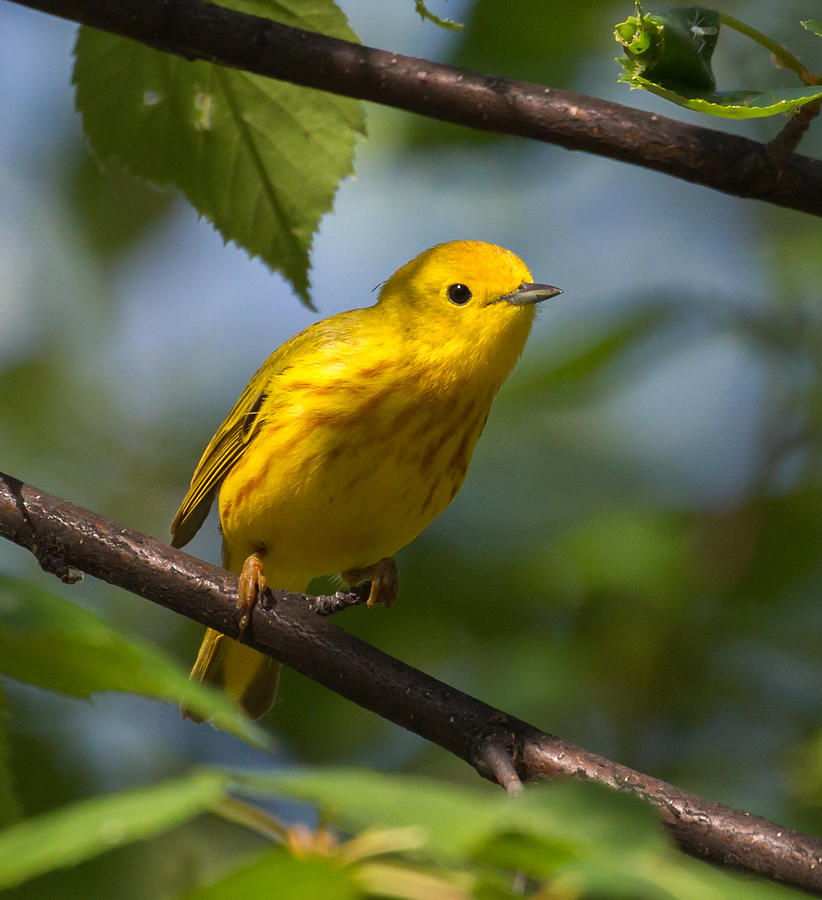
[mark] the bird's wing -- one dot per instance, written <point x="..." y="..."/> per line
<point x="232" y="439"/>
<point x="228" y="444"/>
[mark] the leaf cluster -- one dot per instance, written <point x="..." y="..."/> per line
<point x="669" y="53"/>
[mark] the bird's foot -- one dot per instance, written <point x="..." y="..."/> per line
<point x="384" y="578"/>
<point x="252" y="584"/>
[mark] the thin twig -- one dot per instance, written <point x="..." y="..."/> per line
<point x="781" y="54"/>
<point x="792" y="133"/>
<point x="499" y="746"/>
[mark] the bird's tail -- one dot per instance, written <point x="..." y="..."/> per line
<point x="243" y="673"/>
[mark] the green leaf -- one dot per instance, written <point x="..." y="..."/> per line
<point x="277" y="873"/>
<point x="812" y="25"/>
<point x="669" y="53"/>
<point x="259" y="158"/>
<point x="9" y="805"/>
<point x="83" y="830"/>
<point x="732" y="104"/>
<point x="672" y="47"/>
<point x="54" y="644"/>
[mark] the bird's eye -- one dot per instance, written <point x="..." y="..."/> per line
<point x="458" y="294"/>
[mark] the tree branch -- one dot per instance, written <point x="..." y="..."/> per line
<point x="197" y="30"/>
<point x="285" y="625"/>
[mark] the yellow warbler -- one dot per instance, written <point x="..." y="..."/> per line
<point x="354" y="435"/>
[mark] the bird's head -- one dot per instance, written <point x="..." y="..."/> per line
<point x="465" y="301"/>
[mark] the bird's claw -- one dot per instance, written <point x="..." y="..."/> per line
<point x="384" y="578"/>
<point x="252" y="584"/>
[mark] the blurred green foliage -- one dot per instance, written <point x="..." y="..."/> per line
<point x="433" y="841"/>
<point x="9" y="804"/>
<point x="634" y="563"/>
<point x="48" y="642"/>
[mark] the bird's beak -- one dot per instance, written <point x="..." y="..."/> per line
<point x="528" y="293"/>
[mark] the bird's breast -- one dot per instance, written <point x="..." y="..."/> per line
<point x="342" y="474"/>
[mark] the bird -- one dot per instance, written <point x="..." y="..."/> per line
<point x="353" y="436"/>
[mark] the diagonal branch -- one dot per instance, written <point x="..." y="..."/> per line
<point x="501" y="747"/>
<point x="197" y="30"/>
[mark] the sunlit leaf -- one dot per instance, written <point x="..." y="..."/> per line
<point x="812" y="25"/>
<point x="732" y="104"/>
<point x="259" y="158"/>
<point x="54" y="644"/>
<point x="83" y="830"/>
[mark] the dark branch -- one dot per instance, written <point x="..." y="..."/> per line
<point x="285" y="626"/>
<point x="197" y="30"/>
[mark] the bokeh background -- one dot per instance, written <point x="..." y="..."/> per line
<point x="634" y="560"/>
